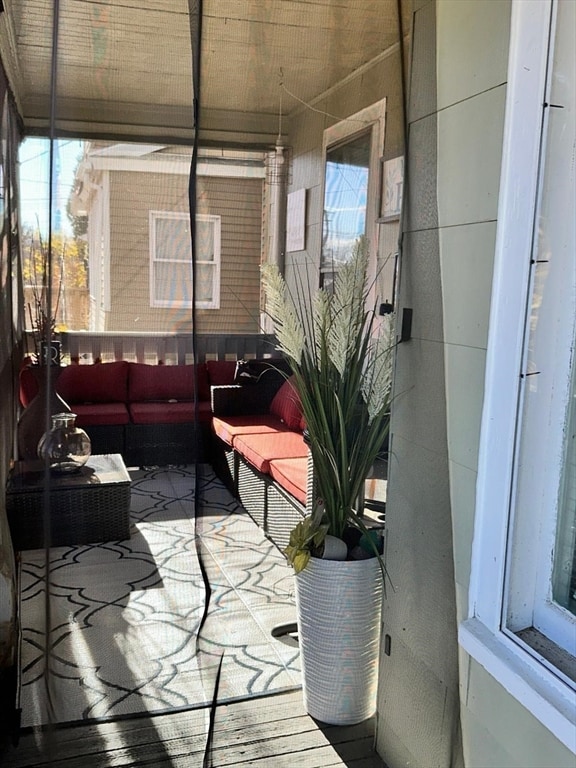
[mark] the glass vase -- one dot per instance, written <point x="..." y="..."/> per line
<point x="31" y="424"/>
<point x="65" y="446"/>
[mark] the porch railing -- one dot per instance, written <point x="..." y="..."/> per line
<point x="167" y="348"/>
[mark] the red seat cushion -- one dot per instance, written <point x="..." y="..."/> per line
<point x="287" y="405"/>
<point x="221" y="372"/>
<point x="169" y="413"/>
<point x="96" y="414"/>
<point x="98" y="383"/>
<point x="166" y="382"/>
<point x="229" y="427"/>
<point x="260" y="449"/>
<point x="292" y="475"/>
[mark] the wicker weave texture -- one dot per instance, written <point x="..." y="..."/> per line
<point x="77" y="516"/>
<point x="252" y="492"/>
<point x="283" y="513"/>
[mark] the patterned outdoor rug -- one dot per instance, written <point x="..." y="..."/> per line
<point x="135" y="628"/>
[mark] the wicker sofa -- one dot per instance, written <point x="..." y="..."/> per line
<point x="259" y="450"/>
<point x="252" y="433"/>
<point x="148" y="413"/>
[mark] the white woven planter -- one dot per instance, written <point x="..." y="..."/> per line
<point x="339" y="614"/>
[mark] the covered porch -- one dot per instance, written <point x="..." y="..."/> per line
<point x="285" y="98"/>
<point x="121" y="77"/>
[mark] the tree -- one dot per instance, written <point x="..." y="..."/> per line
<point x="69" y="278"/>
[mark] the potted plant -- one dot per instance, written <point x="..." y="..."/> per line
<point x="341" y="368"/>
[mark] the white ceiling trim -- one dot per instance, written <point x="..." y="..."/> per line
<point x="176" y="166"/>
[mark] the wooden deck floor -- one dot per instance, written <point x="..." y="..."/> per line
<point x="271" y="731"/>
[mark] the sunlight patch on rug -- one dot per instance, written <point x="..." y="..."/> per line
<point x="126" y="615"/>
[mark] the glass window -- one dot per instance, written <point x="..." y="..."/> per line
<point x="171" y="276"/>
<point x="540" y="557"/>
<point x="521" y="626"/>
<point x="564" y="575"/>
<point x="69" y="268"/>
<point x="353" y="151"/>
<point x="345" y="199"/>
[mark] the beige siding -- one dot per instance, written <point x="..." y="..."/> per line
<point x="237" y="201"/>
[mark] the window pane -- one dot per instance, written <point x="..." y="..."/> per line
<point x="70" y="294"/>
<point x="540" y="561"/>
<point x="345" y="199"/>
<point x="204" y="282"/>
<point x="205" y="240"/>
<point x="173" y="283"/>
<point x="564" y="580"/>
<point x="173" y="239"/>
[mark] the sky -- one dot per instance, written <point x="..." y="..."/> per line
<point x="34" y="157"/>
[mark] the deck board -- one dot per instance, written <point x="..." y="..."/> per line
<point x="269" y="731"/>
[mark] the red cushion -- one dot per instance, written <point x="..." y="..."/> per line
<point x="169" y="413"/>
<point x="221" y="372"/>
<point x="166" y="382"/>
<point x="229" y="427"/>
<point x="292" y="475"/>
<point x="98" y="383"/>
<point x="95" y="414"/>
<point x="260" y="449"/>
<point x="287" y="406"/>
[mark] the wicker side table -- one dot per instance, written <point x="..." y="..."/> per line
<point x="90" y="506"/>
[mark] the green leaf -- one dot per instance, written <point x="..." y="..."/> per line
<point x="301" y="560"/>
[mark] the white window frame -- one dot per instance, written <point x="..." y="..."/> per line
<point x="216" y="221"/>
<point x="526" y="675"/>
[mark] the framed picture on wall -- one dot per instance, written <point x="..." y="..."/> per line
<point x="392" y="185"/>
<point x="296" y="221"/>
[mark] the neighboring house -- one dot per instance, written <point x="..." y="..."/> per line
<point x="478" y="664"/>
<point x="139" y="242"/>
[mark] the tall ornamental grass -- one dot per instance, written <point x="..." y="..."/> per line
<point x="342" y="372"/>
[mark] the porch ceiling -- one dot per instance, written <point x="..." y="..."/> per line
<point x="124" y="68"/>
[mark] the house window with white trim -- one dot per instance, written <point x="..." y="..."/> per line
<point x="171" y="273"/>
<point x="540" y="557"/>
<point x="352" y="150"/>
<point x="522" y="625"/>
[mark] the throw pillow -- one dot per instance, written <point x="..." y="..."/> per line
<point x="287" y="406"/>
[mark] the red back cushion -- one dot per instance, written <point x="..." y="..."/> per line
<point x="166" y="382"/>
<point x="98" y="383"/>
<point x="221" y="372"/>
<point x="287" y="406"/>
